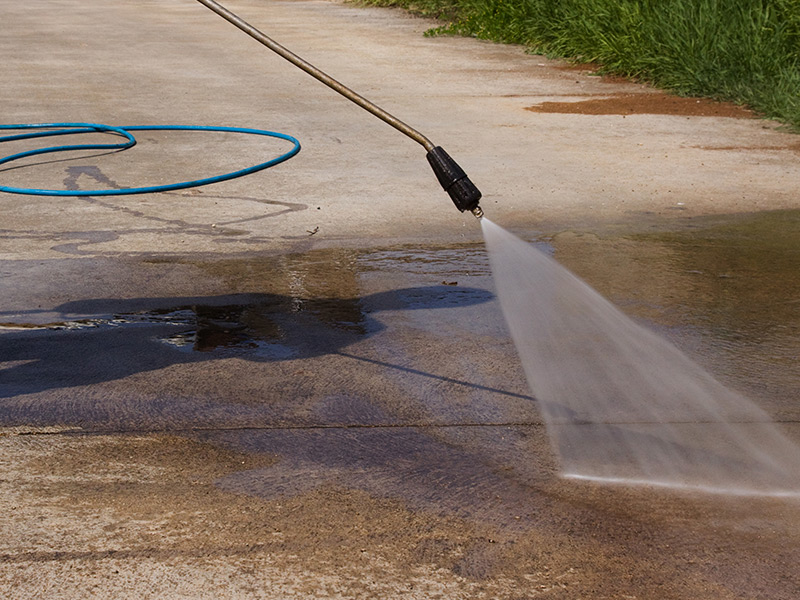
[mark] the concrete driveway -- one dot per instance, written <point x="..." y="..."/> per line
<point x="298" y="384"/>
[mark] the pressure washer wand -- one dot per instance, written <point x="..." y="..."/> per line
<point x="452" y="177"/>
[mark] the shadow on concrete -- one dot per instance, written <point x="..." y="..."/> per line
<point x="109" y="339"/>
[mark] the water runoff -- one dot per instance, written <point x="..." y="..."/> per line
<point x="622" y="404"/>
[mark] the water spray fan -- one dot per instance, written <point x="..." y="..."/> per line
<point x="464" y="194"/>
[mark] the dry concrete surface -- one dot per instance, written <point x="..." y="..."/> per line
<point x="297" y="384"/>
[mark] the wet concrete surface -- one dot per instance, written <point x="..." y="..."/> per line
<point x="354" y="422"/>
<point x="299" y="384"/>
<point x="725" y="289"/>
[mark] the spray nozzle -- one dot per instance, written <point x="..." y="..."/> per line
<point x="455" y="182"/>
<point x="452" y="177"/>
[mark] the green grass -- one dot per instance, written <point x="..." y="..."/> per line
<point x="745" y="51"/>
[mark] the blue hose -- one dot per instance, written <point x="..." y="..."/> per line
<point x="53" y="129"/>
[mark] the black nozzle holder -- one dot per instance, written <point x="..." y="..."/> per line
<point x="455" y="182"/>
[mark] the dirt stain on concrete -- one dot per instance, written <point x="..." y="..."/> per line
<point x="645" y="103"/>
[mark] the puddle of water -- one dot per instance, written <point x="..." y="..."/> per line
<point x="257" y="326"/>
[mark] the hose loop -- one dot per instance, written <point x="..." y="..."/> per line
<point x="41" y="130"/>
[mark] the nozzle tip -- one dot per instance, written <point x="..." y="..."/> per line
<point x="452" y="178"/>
<point x="478" y="212"/>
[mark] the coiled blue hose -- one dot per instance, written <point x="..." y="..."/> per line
<point x="54" y="129"/>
